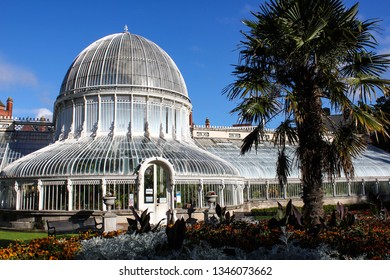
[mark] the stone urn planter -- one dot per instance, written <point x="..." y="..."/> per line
<point x="109" y="201"/>
<point x="211" y="198"/>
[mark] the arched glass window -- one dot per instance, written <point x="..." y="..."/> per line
<point x="123" y="113"/>
<point x="92" y="113"/>
<point x="107" y="113"/>
<point x="79" y="115"/>
<point x="139" y="115"/>
<point x="155" y="184"/>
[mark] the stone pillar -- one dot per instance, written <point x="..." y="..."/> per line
<point x="109" y="222"/>
<point x="109" y="218"/>
<point x="206" y="216"/>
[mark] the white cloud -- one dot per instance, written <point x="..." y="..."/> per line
<point x="11" y="75"/>
<point x="35" y="113"/>
<point x="43" y="112"/>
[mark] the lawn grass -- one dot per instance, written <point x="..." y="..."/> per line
<point x="10" y="236"/>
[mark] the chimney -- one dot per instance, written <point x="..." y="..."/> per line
<point x="207" y="122"/>
<point x="191" y="120"/>
<point x="10" y="103"/>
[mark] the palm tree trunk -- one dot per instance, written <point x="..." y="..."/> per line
<point x="310" y="132"/>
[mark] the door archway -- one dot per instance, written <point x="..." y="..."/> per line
<point x="156" y="187"/>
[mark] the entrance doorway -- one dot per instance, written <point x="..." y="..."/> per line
<point x="156" y="188"/>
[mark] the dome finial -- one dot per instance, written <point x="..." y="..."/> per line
<point x="126" y="29"/>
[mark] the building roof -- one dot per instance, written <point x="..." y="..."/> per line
<point x="123" y="60"/>
<point x="261" y="164"/>
<point x="113" y="156"/>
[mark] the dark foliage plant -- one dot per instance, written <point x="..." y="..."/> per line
<point x="141" y="224"/>
<point x="224" y="216"/>
<point x="176" y="234"/>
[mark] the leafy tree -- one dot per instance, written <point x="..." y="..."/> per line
<point x="297" y="57"/>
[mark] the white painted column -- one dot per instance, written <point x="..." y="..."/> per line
<point x="104" y="191"/>
<point x="236" y="197"/>
<point x="221" y="198"/>
<point x="40" y="194"/>
<point x="349" y="188"/>
<point x="17" y="190"/>
<point x="200" y="193"/>
<point x="248" y="193"/>
<point x="69" y="187"/>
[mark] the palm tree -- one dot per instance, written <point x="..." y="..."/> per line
<point x="297" y="56"/>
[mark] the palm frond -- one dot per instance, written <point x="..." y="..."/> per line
<point x="286" y="131"/>
<point x="257" y="109"/>
<point x="365" y="87"/>
<point x="283" y="166"/>
<point x="249" y="81"/>
<point x="363" y="116"/>
<point x="346" y="145"/>
<point x="252" y="139"/>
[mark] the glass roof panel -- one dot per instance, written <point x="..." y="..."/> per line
<point x="117" y="156"/>
<point x="261" y="164"/>
<point x="123" y="59"/>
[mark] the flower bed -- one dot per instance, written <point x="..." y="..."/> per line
<point x="368" y="238"/>
<point x="49" y="248"/>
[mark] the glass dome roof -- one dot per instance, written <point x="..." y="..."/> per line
<point x="119" y="155"/>
<point x="123" y="60"/>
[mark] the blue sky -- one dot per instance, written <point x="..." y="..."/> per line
<point x="41" y="38"/>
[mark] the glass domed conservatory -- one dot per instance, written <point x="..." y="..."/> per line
<point x="123" y="124"/>
<point x="122" y="121"/>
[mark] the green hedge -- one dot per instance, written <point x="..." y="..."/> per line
<point x="327" y="208"/>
